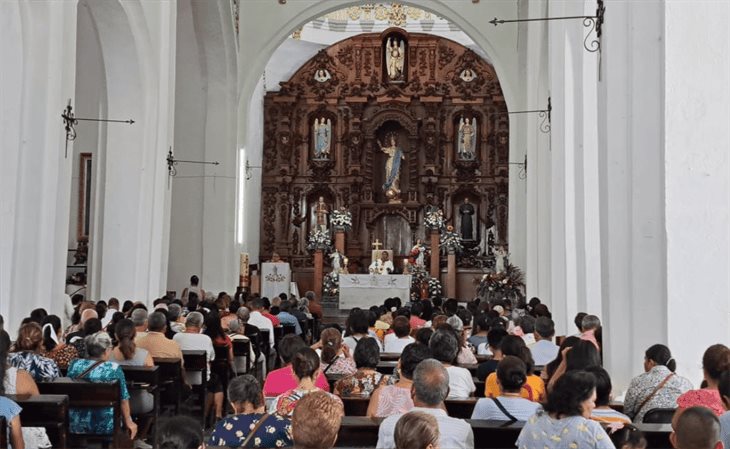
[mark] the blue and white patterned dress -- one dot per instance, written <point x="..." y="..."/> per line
<point x="41" y="368"/>
<point x="8" y="410"/>
<point x="96" y="421"/>
<point x="233" y="430"/>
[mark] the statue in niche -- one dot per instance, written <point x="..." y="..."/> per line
<point x="500" y="263"/>
<point x="322" y="132"/>
<point x="466" y="212"/>
<point x="418" y="254"/>
<point x="322" y="75"/>
<point x="395" y="54"/>
<point x="322" y="212"/>
<point x="467" y="138"/>
<point x="391" y="187"/>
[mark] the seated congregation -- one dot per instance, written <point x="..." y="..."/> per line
<point x="427" y="374"/>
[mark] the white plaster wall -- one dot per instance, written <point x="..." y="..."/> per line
<point x="696" y="132"/>
<point x="37" y="45"/>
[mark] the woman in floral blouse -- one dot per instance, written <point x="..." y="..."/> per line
<point x="659" y="367"/>
<point x="53" y="345"/>
<point x="244" y="393"/>
<point x="26" y="355"/>
<point x="367" y="378"/>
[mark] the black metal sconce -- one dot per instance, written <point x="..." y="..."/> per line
<point x="70" y="121"/>
<point x="172" y="162"/>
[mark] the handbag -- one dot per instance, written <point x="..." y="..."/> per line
<point x="255" y="429"/>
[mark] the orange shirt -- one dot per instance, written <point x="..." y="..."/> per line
<point x="534" y="388"/>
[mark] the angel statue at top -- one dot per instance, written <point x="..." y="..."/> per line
<point x="395" y="53"/>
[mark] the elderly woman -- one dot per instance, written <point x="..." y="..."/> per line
<point x="565" y="421"/>
<point x="417" y="430"/>
<point x="335" y="355"/>
<point x="97" y="369"/>
<point x="306" y="369"/>
<point x="27" y="355"/>
<point x="249" y="426"/>
<point x="367" y="378"/>
<point x="389" y="400"/>
<point x="643" y="393"/>
<point x="53" y="343"/>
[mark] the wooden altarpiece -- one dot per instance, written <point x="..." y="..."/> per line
<point x="322" y="130"/>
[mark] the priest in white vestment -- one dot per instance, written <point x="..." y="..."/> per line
<point x="383" y="265"/>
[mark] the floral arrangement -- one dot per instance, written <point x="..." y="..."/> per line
<point x="342" y="219"/>
<point x="451" y="242"/>
<point x="507" y="284"/>
<point x="319" y="239"/>
<point x="419" y="275"/>
<point x="331" y="285"/>
<point x="434" y="220"/>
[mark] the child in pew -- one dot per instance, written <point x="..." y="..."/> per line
<point x="509" y="405"/>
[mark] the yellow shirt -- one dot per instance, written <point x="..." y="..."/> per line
<point x="534" y="388"/>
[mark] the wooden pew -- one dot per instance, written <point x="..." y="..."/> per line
<point x="145" y="378"/>
<point x="360" y="431"/>
<point x="84" y="394"/>
<point x="242" y="349"/>
<point x="45" y="410"/>
<point x="171" y="382"/>
<point x="394" y="356"/>
<point x="387" y="367"/>
<point x="197" y="362"/>
<point x="457" y="408"/>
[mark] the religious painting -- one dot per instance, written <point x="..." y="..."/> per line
<point x="321" y="138"/>
<point x="395" y="58"/>
<point x="466" y="138"/>
<point x="83" y="226"/>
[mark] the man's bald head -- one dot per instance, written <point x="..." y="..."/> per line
<point x="88" y="314"/>
<point x="430" y="383"/>
<point x="695" y="428"/>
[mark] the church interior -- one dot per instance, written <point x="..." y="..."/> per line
<point x="477" y="150"/>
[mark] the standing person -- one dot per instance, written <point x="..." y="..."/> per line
<point x="565" y="421"/>
<point x="315" y="307"/>
<point x="220" y="339"/>
<point x="192" y="288"/>
<point x="430" y="389"/>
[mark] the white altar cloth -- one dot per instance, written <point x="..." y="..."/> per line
<point x="367" y="290"/>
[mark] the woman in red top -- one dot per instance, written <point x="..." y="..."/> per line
<point x="218" y="369"/>
<point x="715" y="361"/>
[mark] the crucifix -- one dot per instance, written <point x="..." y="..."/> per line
<point x="377" y="244"/>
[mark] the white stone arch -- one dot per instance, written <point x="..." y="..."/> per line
<point x="130" y="221"/>
<point x="257" y="45"/>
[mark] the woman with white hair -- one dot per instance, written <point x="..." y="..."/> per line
<point x="98" y="369"/>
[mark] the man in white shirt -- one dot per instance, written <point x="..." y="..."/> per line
<point x="544" y="350"/>
<point x="430" y="389"/>
<point x="257" y="319"/>
<point x="445" y="348"/>
<point x="193" y="340"/>
<point x="400" y="338"/>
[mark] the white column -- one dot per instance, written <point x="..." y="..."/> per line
<point x="38" y="50"/>
<point x="696" y="134"/>
<point x="631" y="184"/>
